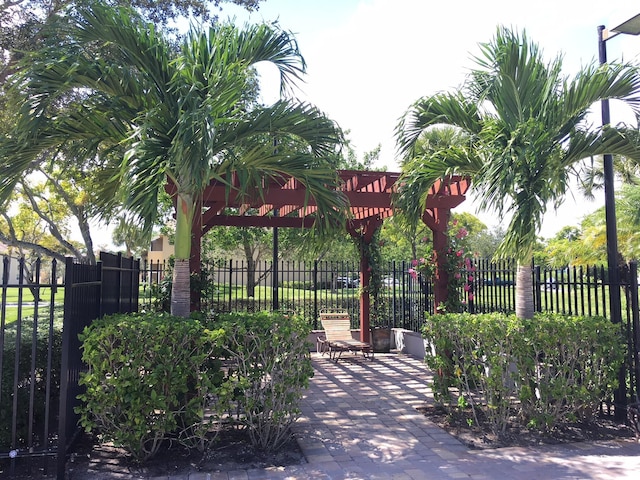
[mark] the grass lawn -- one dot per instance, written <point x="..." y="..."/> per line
<point x="12" y="295"/>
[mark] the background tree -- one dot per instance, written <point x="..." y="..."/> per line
<point x="587" y="244"/>
<point x="22" y="21"/>
<point x="130" y="234"/>
<point x="565" y="248"/>
<point x="527" y="134"/>
<point x="37" y="219"/>
<point x="68" y="174"/>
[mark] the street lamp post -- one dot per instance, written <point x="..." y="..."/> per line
<point x="629" y="27"/>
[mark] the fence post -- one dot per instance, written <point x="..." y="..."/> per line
<point x="634" y="340"/>
<point x="315" y="294"/>
<point x="230" y="282"/>
<point x="82" y="304"/>
<point x="537" y="293"/>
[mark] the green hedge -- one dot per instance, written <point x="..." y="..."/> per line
<point x="544" y="371"/>
<point x="154" y="377"/>
<point x="148" y="378"/>
<point x="269" y="369"/>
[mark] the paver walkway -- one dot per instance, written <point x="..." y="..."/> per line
<point x="359" y="422"/>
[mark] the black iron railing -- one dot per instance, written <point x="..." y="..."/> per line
<point x="41" y="316"/>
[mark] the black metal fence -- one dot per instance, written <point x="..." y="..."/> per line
<point x="41" y="316"/>
<point x="308" y="287"/>
<point x="303" y="287"/>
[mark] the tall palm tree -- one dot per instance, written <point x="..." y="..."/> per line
<point x="177" y="113"/>
<point x="527" y="130"/>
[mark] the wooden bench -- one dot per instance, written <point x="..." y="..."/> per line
<point x="337" y="337"/>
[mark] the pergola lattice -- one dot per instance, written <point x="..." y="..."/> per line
<point x="369" y="195"/>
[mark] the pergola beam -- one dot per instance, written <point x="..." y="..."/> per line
<point x="369" y="196"/>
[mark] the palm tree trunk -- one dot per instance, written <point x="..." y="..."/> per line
<point x="180" y="289"/>
<point x="181" y="286"/>
<point x="524" y="291"/>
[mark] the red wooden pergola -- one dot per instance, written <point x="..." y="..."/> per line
<point x="369" y="195"/>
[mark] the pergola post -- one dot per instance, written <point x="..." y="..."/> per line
<point x="365" y="299"/>
<point x="363" y="232"/>
<point x="438" y="220"/>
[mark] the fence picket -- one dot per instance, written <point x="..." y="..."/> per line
<point x="43" y="376"/>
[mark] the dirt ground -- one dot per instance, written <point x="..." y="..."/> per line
<point x="461" y="424"/>
<point x="233" y="451"/>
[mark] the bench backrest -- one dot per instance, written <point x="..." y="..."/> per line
<point x="337" y="326"/>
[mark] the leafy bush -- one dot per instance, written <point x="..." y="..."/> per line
<point x="269" y="366"/>
<point x="48" y="347"/>
<point x="149" y="379"/>
<point x="474" y="353"/>
<point x="570" y="365"/>
<point x="153" y="377"/>
<point x="547" y="370"/>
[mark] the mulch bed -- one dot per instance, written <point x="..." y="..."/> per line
<point x="232" y="451"/>
<point x="460" y="423"/>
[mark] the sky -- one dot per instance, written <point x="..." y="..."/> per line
<point x="369" y="60"/>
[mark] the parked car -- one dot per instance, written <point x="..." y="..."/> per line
<point x="390" y="282"/>
<point x="347" y="282"/>
<point x="552" y="284"/>
<point x="497" y="281"/>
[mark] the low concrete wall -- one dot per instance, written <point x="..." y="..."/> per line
<point x="407" y="341"/>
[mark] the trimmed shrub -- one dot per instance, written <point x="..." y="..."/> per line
<point x="149" y="378"/>
<point x="475" y="354"/>
<point x="269" y="367"/>
<point x="569" y="366"/>
<point x="548" y="370"/>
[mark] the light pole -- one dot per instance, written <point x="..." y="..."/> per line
<point x="629" y="27"/>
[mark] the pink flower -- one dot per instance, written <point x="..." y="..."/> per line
<point x="414" y="262"/>
<point x="471" y="297"/>
<point x="459" y="253"/>
<point x="413" y="273"/>
<point x="454" y="222"/>
<point x="470" y="278"/>
<point x="457" y="275"/>
<point x="467" y="287"/>
<point x="462" y="233"/>
<point x="423" y="260"/>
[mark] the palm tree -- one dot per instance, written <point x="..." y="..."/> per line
<point x="179" y="114"/>
<point x="527" y="133"/>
